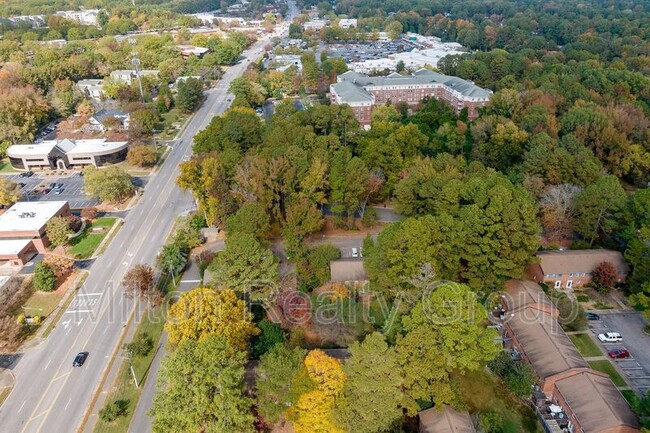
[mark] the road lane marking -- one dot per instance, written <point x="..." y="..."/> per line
<point x="78" y="311"/>
<point x="22" y="406"/>
<point x="190" y="281"/>
<point x="48" y="364"/>
<point x="67" y="404"/>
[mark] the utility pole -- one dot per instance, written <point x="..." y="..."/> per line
<point x="135" y="61"/>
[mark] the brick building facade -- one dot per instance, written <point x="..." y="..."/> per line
<point x="362" y="92"/>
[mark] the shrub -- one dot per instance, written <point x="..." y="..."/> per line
<point x="580" y="245"/>
<point x="490" y="422"/>
<point x="89" y="213"/>
<point x="605" y="275"/>
<point x="74" y="223"/>
<point x="582" y="298"/>
<point x="21" y="319"/>
<point x="36" y="320"/>
<point x="113" y="410"/>
<point x="44" y="278"/>
<point x="370" y="217"/>
<point x="517" y="375"/>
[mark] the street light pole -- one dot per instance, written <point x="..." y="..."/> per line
<point x="135" y="379"/>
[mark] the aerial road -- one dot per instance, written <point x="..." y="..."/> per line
<point x="50" y="395"/>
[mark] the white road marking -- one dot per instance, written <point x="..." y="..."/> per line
<point x="190" y="281"/>
<point x="22" y="406"/>
<point x="79" y="311"/>
<point x="65" y="323"/>
<point x="67" y="404"/>
<point x="48" y="364"/>
<point x="125" y="263"/>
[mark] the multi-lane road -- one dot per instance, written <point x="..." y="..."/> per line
<point x="49" y="394"/>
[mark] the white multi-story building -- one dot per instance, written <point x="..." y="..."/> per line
<point x="346" y="23"/>
<point x="84" y="16"/>
<point x="92" y="88"/>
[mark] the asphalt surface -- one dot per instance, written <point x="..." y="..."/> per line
<point x="52" y="396"/>
<point x="630" y="325"/>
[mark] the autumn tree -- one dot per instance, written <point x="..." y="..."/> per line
<point x="111" y="184"/>
<point x="89" y="213"/>
<point x="202" y="312"/>
<point x="279" y="381"/>
<point x="605" y="275"/>
<point x="61" y="266"/>
<point x="22" y="110"/>
<point x="372" y="392"/>
<point x="142" y="155"/>
<point x="201" y="389"/>
<point x="557" y="210"/>
<point x="9" y="192"/>
<point x="437" y="340"/>
<point x="245" y="266"/>
<point x="139" y="282"/>
<point x="58" y="231"/>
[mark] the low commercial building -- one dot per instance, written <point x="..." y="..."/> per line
<point x="574" y="268"/>
<point x="191" y="50"/>
<point x="314" y="25"/>
<point x="445" y="420"/>
<point x="362" y="92"/>
<point x="22" y="229"/>
<point x="64" y="154"/>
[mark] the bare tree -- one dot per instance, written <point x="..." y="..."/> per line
<point x="139" y="281"/>
<point x="557" y="209"/>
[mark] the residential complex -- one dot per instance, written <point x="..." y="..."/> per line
<point x="84" y="16"/>
<point x="64" y="154"/>
<point x="570" y="394"/>
<point x="128" y="75"/>
<point x="363" y="93"/>
<point x="22" y="229"/>
<point x="574" y="268"/>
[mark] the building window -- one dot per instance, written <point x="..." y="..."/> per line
<point x="558" y="284"/>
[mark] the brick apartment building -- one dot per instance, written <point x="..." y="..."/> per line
<point x="571" y="396"/>
<point x="574" y="268"/>
<point x="362" y="93"/>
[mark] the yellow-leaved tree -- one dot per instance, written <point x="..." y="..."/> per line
<point x="313" y="412"/>
<point x="204" y="311"/>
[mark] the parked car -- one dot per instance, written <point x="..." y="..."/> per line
<point x="52" y="185"/>
<point x="619" y="353"/>
<point x="355" y="252"/>
<point x="59" y="191"/>
<point x="610" y="337"/>
<point x="592" y="316"/>
<point x="80" y="359"/>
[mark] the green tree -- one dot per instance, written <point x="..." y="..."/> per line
<point x="145" y="120"/>
<point x="111" y="184"/>
<point x="114" y="410"/>
<point x="251" y="218"/>
<point x="245" y="266"/>
<point x="437" y="340"/>
<point x="58" y="231"/>
<point x="172" y="258"/>
<point x="44" y="278"/>
<point x="237" y="129"/>
<point x="372" y="393"/>
<point x="189" y="94"/>
<point x="518" y="375"/>
<point x="9" y="192"/>
<point x="280" y="380"/>
<point x="598" y="207"/>
<point x="141" y="345"/>
<point x="270" y="335"/>
<point x="201" y="389"/>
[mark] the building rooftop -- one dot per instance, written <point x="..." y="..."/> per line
<point x="351" y="93"/>
<point x="69" y="147"/>
<point x="11" y="247"/>
<point x="423" y="76"/>
<point x="447" y="420"/>
<point x="579" y="261"/>
<point x="520" y="294"/>
<point x="597" y="403"/>
<point x="544" y="342"/>
<point x="96" y="145"/>
<point x="29" y="215"/>
<point x="348" y="270"/>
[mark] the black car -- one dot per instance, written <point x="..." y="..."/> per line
<point x="80" y="359"/>
<point x="52" y="185"/>
<point x="592" y="316"/>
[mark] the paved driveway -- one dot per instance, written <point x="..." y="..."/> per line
<point x="630" y="325"/>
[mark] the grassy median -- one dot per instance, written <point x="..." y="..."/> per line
<point x="607" y="368"/>
<point x="585" y="345"/>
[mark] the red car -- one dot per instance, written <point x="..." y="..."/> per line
<point x="619" y="353"/>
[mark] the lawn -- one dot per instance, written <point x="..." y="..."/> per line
<point x="124" y="388"/>
<point x="84" y="245"/>
<point x="5" y="167"/>
<point x="607" y="368"/>
<point x="170" y="122"/>
<point x="42" y="303"/>
<point x="482" y="392"/>
<point x="585" y="345"/>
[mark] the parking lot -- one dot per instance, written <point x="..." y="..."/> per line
<point x="630" y="325"/>
<point x="38" y="188"/>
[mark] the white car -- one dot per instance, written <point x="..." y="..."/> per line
<point x="355" y="252"/>
<point x="610" y="337"/>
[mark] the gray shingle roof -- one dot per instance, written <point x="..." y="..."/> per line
<point x="422" y="76"/>
<point x="352" y="93"/>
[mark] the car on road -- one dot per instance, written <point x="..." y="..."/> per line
<point x="619" y="354"/>
<point x="80" y="359"/>
<point x="355" y="252"/>
<point x="592" y="316"/>
<point x="59" y="191"/>
<point x="610" y="337"/>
